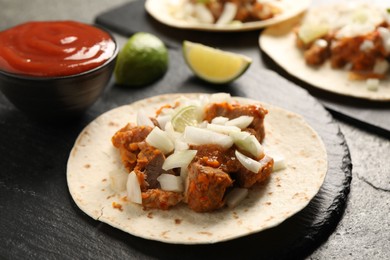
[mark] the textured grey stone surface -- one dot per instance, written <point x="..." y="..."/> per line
<point x="364" y="230"/>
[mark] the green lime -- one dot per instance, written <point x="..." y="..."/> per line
<point x="141" y="61"/>
<point x="214" y="65"/>
<point x="186" y="116"/>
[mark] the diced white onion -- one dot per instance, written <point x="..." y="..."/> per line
<point x="249" y="143"/>
<point x="160" y="139"/>
<point x="279" y="160"/>
<point x="169" y="182"/>
<point x="321" y="43"/>
<point x="235" y="196"/>
<point x="163" y="120"/>
<point x="133" y="188"/>
<point x="372" y="84"/>
<point x="381" y="67"/>
<point x="228" y="14"/>
<point x="220" y="97"/>
<point x="366" y="45"/>
<point x="198" y="136"/>
<point x="143" y="119"/>
<point x="248" y="163"/>
<point x="203" y="14"/>
<point x="118" y="178"/>
<point x="223" y="129"/>
<point x="180" y="145"/>
<point x="219" y="120"/>
<point x="179" y="159"/>
<point x="171" y="132"/>
<point x="242" y="122"/>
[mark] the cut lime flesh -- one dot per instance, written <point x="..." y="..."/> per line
<point x="214" y="65"/>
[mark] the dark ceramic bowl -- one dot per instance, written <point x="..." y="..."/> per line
<point x="51" y="98"/>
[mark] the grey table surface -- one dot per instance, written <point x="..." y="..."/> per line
<point x="364" y="230"/>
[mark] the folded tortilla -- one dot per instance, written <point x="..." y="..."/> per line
<point x="278" y="42"/>
<point x="287" y="191"/>
<point x="159" y="10"/>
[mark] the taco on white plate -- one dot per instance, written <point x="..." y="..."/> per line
<point x="195" y="168"/>
<point x="224" y="15"/>
<point x="342" y="48"/>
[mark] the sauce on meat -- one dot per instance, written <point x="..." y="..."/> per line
<point x="54" y="48"/>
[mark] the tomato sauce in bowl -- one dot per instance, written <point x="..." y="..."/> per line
<point x="55" y="70"/>
<point x="54" y="48"/>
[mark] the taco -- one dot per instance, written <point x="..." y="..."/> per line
<point x="339" y="48"/>
<point x="107" y="184"/>
<point x="223" y="15"/>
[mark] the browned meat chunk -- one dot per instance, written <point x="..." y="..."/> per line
<point x="160" y="199"/>
<point x="247" y="179"/>
<point x="215" y="156"/>
<point x="206" y="187"/>
<point x="126" y="140"/>
<point x="149" y="163"/>
<point x="316" y="55"/>
<point x="349" y="51"/>
<point x="232" y="111"/>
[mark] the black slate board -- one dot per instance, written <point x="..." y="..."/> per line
<point x="132" y="17"/>
<point x="40" y="220"/>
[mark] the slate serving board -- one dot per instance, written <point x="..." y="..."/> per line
<point x="40" y="220"/>
<point x="132" y="17"/>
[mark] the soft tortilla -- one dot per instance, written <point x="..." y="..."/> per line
<point x="287" y="192"/>
<point x="158" y="9"/>
<point x="279" y="43"/>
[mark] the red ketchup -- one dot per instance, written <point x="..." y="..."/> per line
<point x="53" y="48"/>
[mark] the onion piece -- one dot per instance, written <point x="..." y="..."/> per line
<point x="169" y="182"/>
<point x="179" y="159"/>
<point x="163" y="120"/>
<point x="249" y="163"/>
<point x="220" y="97"/>
<point x="118" y="179"/>
<point x="223" y="129"/>
<point x="180" y="145"/>
<point x="203" y="14"/>
<point x="171" y="132"/>
<point x="235" y="196"/>
<point x="160" y="139"/>
<point x="279" y="160"/>
<point x="248" y="143"/>
<point x="228" y="14"/>
<point x="143" y="119"/>
<point x="219" y="120"/>
<point x="133" y="188"/>
<point x="199" y="136"/>
<point x="242" y="122"/>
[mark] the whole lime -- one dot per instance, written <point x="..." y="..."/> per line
<point x="141" y="61"/>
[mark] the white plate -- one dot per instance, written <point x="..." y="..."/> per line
<point x="159" y="10"/>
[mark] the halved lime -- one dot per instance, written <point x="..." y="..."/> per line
<point x="186" y="116"/>
<point x="214" y="65"/>
<point x="141" y="61"/>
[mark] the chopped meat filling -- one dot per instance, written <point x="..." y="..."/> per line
<point x="206" y="187"/>
<point x="247" y="179"/>
<point x="160" y="199"/>
<point x="247" y="10"/>
<point x="360" y="54"/>
<point x="213" y="171"/>
<point x="232" y="111"/>
<point x="126" y="140"/>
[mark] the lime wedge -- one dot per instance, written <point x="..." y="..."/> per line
<point x="186" y="116"/>
<point x="214" y="65"/>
